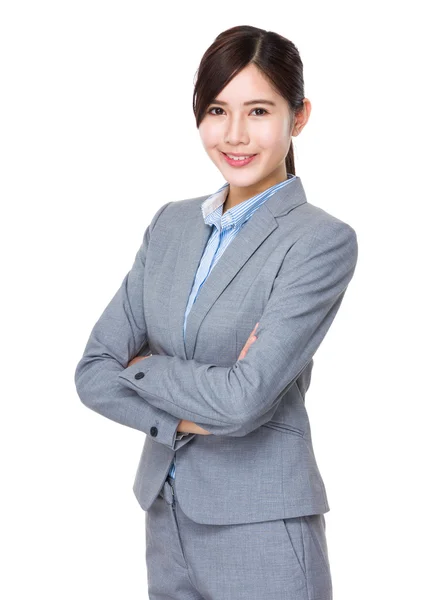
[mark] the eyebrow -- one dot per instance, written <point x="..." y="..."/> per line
<point x="258" y="101"/>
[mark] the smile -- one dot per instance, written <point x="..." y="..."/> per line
<point x="239" y="161"/>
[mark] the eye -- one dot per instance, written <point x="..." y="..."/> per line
<point x="219" y="108"/>
<point x="214" y="108"/>
<point x="265" y="111"/>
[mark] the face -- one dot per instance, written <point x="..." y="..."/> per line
<point x="234" y="124"/>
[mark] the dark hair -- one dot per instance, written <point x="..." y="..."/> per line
<point x="233" y="50"/>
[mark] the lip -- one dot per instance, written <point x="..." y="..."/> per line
<point x="238" y="163"/>
<point x="239" y="153"/>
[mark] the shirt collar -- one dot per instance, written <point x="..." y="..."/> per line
<point x="212" y="207"/>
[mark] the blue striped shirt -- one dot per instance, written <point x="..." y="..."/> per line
<point x="224" y="229"/>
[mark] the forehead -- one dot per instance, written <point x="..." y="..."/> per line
<point x="248" y="85"/>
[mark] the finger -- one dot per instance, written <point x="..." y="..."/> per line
<point x="246" y="347"/>
<point x="252" y="338"/>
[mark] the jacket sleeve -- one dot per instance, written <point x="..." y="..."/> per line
<point x="118" y="336"/>
<point x="307" y="293"/>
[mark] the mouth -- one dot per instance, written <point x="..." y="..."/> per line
<point x="238" y="161"/>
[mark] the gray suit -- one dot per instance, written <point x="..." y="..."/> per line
<point x="287" y="269"/>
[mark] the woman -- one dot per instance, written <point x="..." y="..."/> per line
<point x="208" y="346"/>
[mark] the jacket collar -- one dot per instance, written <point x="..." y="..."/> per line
<point x="195" y="235"/>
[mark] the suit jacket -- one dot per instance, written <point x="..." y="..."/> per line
<point x="288" y="269"/>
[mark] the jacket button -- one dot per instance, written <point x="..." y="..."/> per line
<point x="154" y="431"/>
<point x="139" y="375"/>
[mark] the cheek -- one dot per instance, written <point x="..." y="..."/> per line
<point x="273" y="137"/>
<point x="209" y="134"/>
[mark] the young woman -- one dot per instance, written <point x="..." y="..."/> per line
<point x="207" y="347"/>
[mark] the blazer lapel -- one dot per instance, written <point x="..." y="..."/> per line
<point x="192" y="244"/>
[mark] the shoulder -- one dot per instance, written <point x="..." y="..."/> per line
<point x="177" y="209"/>
<point x="308" y="227"/>
<point x="313" y="218"/>
<point x="171" y="217"/>
<point x="315" y="237"/>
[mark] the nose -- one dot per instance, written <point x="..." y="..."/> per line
<point x="236" y="131"/>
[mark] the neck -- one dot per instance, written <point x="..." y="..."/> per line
<point x="237" y="195"/>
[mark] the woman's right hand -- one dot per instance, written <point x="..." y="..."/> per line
<point x="185" y="426"/>
<point x="252" y="338"/>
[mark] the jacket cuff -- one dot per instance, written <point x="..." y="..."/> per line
<point x="164" y="429"/>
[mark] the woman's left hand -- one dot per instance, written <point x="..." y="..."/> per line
<point x="184" y="426"/>
<point x="137" y="358"/>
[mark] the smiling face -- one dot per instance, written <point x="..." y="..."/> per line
<point x="249" y="117"/>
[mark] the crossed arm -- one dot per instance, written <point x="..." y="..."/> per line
<point x="165" y="390"/>
<point x="184" y="425"/>
<point x="306" y="295"/>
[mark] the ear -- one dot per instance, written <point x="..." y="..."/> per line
<point x="301" y="117"/>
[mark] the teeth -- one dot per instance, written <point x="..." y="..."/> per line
<point x="238" y="157"/>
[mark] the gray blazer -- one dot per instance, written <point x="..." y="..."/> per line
<point x="288" y="269"/>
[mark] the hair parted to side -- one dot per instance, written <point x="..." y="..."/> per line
<point x="236" y="48"/>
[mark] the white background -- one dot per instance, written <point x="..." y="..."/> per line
<point x="96" y="133"/>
